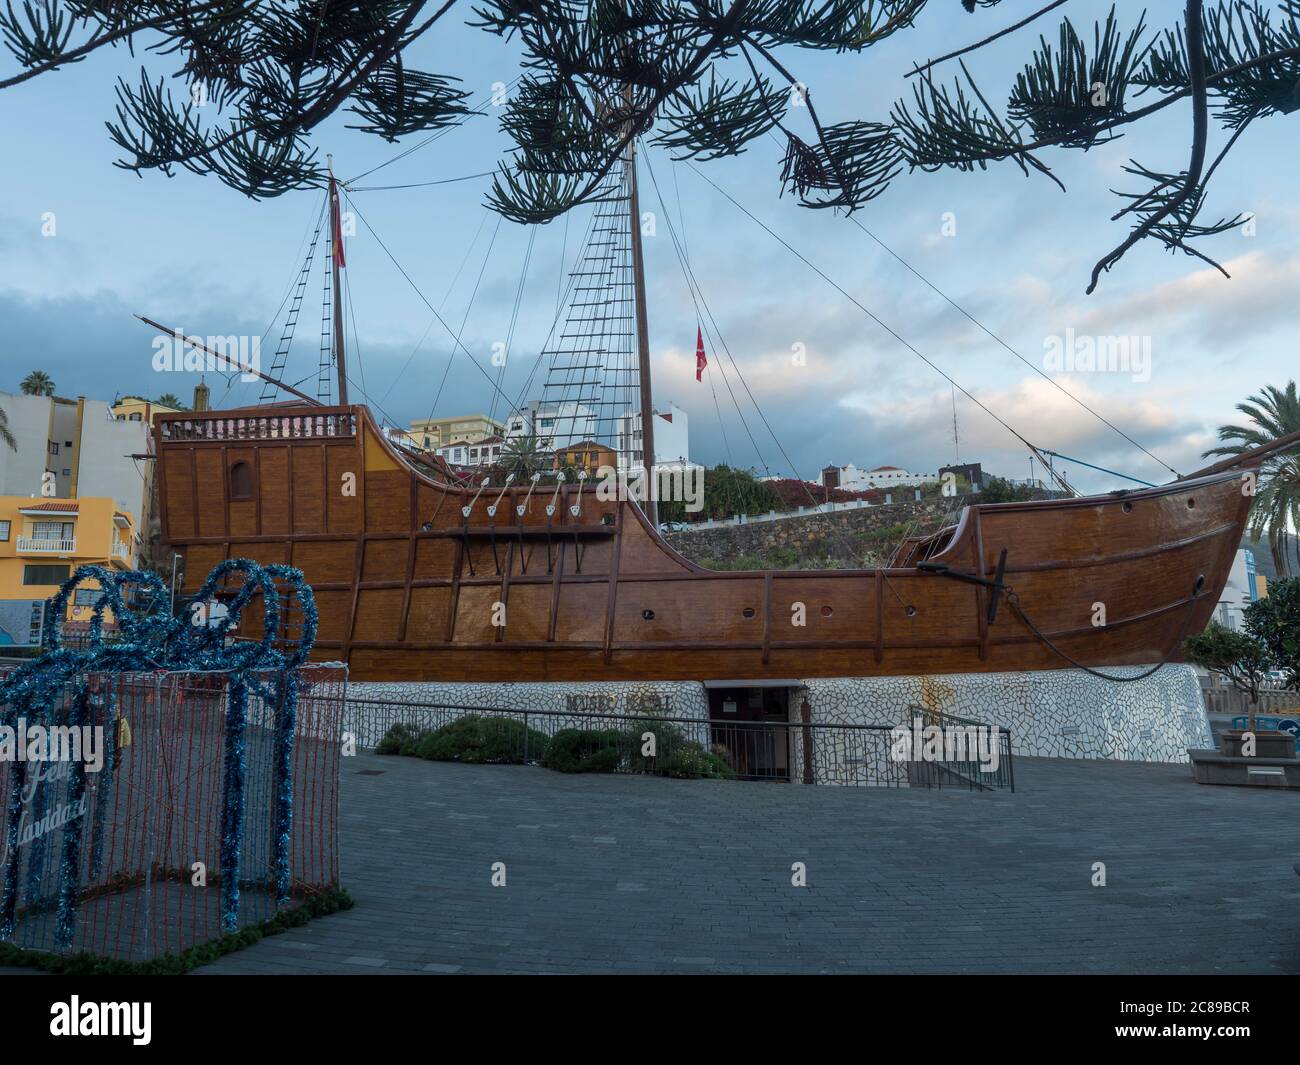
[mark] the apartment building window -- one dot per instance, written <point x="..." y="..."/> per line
<point x="87" y="597"/>
<point x="4" y="532"/>
<point x="46" y="574"/>
<point x="52" y="530"/>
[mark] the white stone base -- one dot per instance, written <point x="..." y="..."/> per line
<point x="1051" y="713"/>
<point x="1063" y="713"/>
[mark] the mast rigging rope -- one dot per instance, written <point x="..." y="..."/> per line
<point x="863" y="308"/>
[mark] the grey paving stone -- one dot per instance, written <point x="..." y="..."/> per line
<point x="645" y="875"/>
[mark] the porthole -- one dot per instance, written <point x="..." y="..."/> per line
<point x="1128" y="508"/>
<point x="748" y="612"/>
<point x="911" y="611"/>
<point x="1191" y="502"/>
<point x="607" y="519"/>
<point x="648" y="615"/>
<point x="827" y="611"/>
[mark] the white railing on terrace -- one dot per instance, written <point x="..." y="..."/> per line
<point x="260" y="427"/>
<point x="121" y="550"/>
<point x="801" y="512"/>
<point x="30" y="545"/>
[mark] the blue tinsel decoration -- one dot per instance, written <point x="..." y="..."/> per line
<point x="104" y="787"/>
<point x="66" y="921"/>
<point x="286" y="712"/>
<point x="36" y="691"/>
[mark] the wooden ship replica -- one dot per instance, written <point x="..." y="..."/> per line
<point x="420" y="576"/>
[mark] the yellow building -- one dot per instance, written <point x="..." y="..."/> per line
<point x="135" y="409"/>
<point x="432" y="433"/>
<point x="42" y="541"/>
<point x="586" y="455"/>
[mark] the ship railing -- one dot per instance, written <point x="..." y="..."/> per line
<point x="224" y="428"/>
<point x="817" y="752"/>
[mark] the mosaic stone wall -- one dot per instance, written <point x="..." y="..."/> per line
<point x="1050" y="713"/>
<point x="856" y="757"/>
<point x="660" y="698"/>
<point x="1062" y="713"/>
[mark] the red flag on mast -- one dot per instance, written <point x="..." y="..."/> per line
<point x="701" y="360"/>
<point x="336" y="224"/>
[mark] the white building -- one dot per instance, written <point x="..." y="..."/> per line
<point x="84" y="448"/>
<point x="471" y="454"/>
<point x="1239" y="592"/>
<point x="852" y="479"/>
<point x="672" y="439"/>
<point x="555" y="424"/>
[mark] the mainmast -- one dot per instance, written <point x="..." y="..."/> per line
<point x="642" y="334"/>
<point x="337" y="261"/>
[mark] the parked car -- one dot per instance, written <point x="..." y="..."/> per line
<point x="672" y="526"/>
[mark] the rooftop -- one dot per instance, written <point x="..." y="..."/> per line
<point x="66" y="506"/>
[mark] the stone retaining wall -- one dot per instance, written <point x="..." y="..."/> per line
<point x="816" y="536"/>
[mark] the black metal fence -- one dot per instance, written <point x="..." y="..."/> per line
<point x="806" y="752"/>
<point x="974" y="754"/>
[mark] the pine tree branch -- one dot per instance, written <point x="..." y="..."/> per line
<point x="987" y="40"/>
<point x="1200" y="132"/>
<point x="108" y="38"/>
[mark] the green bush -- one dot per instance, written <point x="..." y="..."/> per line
<point x="478" y="739"/>
<point x="668" y="737"/>
<point x="574" y="750"/>
<point x="693" y="762"/>
<point x="399" y="739"/>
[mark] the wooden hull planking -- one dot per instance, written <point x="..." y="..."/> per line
<point x="409" y="588"/>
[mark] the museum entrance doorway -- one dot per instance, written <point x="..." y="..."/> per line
<point x="750" y="723"/>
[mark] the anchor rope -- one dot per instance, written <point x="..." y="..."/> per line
<point x="1013" y="600"/>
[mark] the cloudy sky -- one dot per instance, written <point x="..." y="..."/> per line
<point x="193" y="253"/>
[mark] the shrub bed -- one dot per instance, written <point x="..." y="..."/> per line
<point x="399" y="739"/>
<point x="476" y="739"/>
<point x="481" y="739"/>
<point x="575" y="750"/>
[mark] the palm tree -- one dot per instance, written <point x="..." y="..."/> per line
<point x="37" y="383"/>
<point x="1275" y="510"/>
<point x="523" y="456"/>
<point x="168" y="399"/>
<point x="5" y="434"/>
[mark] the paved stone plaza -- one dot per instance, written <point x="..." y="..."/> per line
<point x="638" y="874"/>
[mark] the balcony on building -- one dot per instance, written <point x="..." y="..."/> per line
<point x="121" y="546"/>
<point x="52" y="530"/>
<point x="45" y="545"/>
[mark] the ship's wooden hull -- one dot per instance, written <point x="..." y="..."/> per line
<point x="410" y="588"/>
